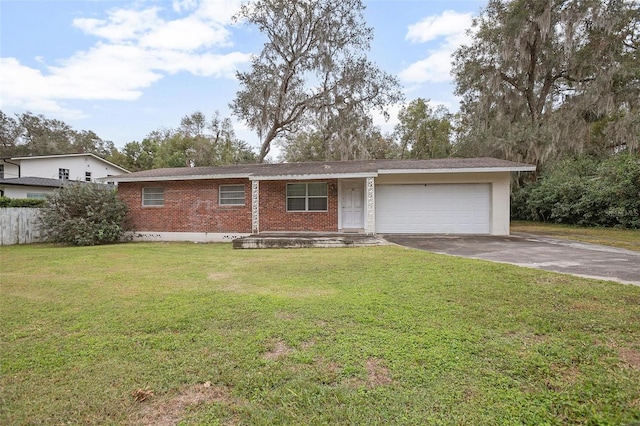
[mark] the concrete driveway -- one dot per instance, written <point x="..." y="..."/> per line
<point x="532" y="251"/>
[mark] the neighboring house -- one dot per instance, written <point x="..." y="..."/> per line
<point x="445" y="196"/>
<point x="34" y="177"/>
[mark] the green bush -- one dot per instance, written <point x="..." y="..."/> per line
<point x="20" y="202"/>
<point x="84" y="214"/>
<point x="584" y="191"/>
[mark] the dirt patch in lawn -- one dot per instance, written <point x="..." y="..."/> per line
<point x="288" y="316"/>
<point x="292" y="293"/>
<point x="377" y="375"/>
<point x="279" y="350"/>
<point x="630" y="357"/>
<point x="170" y="412"/>
<point x="219" y="276"/>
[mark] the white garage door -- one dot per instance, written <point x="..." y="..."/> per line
<point x="433" y="209"/>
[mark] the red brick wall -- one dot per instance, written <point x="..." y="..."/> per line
<point x="189" y="206"/>
<point x="274" y="215"/>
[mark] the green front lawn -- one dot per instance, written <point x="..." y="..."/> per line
<point x="158" y="333"/>
<point x="623" y="238"/>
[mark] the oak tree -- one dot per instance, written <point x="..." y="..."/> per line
<point x="543" y="78"/>
<point x="312" y="69"/>
<point x="424" y="132"/>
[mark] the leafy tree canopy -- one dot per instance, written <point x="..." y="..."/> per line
<point x="424" y="132"/>
<point x="545" y="78"/>
<point x="31" y="134"/>
<point x="312" y="71"/>
<point x="198" y="141"/>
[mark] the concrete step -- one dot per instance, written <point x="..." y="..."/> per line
<point x="306" y="241"/>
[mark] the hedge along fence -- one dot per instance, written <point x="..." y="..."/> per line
<point x="20" y="225"/>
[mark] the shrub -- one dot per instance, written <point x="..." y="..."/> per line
<point x="84" y="214"/>
<point x="584" y="191"/>
<point x="612" y="197"/>
<point x="20" y="202"/>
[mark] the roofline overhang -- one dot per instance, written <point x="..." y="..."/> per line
<point x="316" y="176"/>
<point x="458" y="170"/>
<point x="319" y="175"/>
<point x="35" y="157"/>
<point x="29" y="185"/>
<point x="167" y="178"/>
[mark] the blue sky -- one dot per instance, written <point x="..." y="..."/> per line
<point x="126" y="68"/>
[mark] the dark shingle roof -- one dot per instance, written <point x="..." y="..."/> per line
<point x="372" y="167"/>
<point x="32" y="181"/>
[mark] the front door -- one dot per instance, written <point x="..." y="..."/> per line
<point x="352" y="205"/>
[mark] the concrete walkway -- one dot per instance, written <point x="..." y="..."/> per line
<point x="532" y="251"/>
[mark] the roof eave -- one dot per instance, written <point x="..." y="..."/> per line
<point x="458" y="170"/>
<point x="35" y="157"/>
<point x="314" y="176"/>
<point x="167" y="178"/>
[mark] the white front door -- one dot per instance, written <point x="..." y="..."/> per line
<point x="352" y="203"/>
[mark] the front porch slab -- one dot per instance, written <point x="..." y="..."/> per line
<point x="262" y="241"/>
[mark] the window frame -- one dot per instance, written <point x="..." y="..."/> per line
<point x="221" y="191"/>
<point x="87" y="176"/>
<point x="146" y="199"/>
<point x="307" y="197"/>
<point x="36" y="196"/>
<point x="63" y="174"/>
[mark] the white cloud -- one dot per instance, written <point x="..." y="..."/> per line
<point x="220" y="11"/>
<point x="184" y="5"/>
<point x="449" y="32"/>
<point x="435" y="68"/>
<point x="137" y="48"/>
<point x="121" y="24"/>
<point x="186" y="34"/>
<point x="433" y="27"/>
<point x="386" y="125"/>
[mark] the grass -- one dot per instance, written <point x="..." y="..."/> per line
<point x="623" y="238"/>
<point x="202" y="334"/>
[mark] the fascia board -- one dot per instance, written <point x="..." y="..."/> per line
<point x="465" y="170"/>
<point x="167" y="178"/>
<point x="315" y="176"/>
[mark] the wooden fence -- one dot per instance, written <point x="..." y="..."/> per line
<point x="20" y="225"/>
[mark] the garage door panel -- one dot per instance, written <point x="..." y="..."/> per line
<point x="450" y="208"/>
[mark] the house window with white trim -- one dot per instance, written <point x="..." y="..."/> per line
<point x="87" y="176"/>
<point x="36" y="196"/>
<point x="307" y="197"/>
<point x="63" y="174"/>
<point x="153" y="196"/>
<point x="231" y="195"/>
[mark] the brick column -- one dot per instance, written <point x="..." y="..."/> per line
<point x="255" y="207"/>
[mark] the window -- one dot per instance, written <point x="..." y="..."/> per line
<point x="307" y="197"/>
<point x="63" y="174"/>
<point x="36" y="196"/>
<point x="87" y="176"/>
<point x="1" y="171"/>
<point x="153" y="196"/>
<point x="232" y="195"/>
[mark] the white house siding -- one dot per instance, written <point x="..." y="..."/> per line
<point x="48" y="167"/>
<point x="12" y="191"/>
<point x="10" y="170"/>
